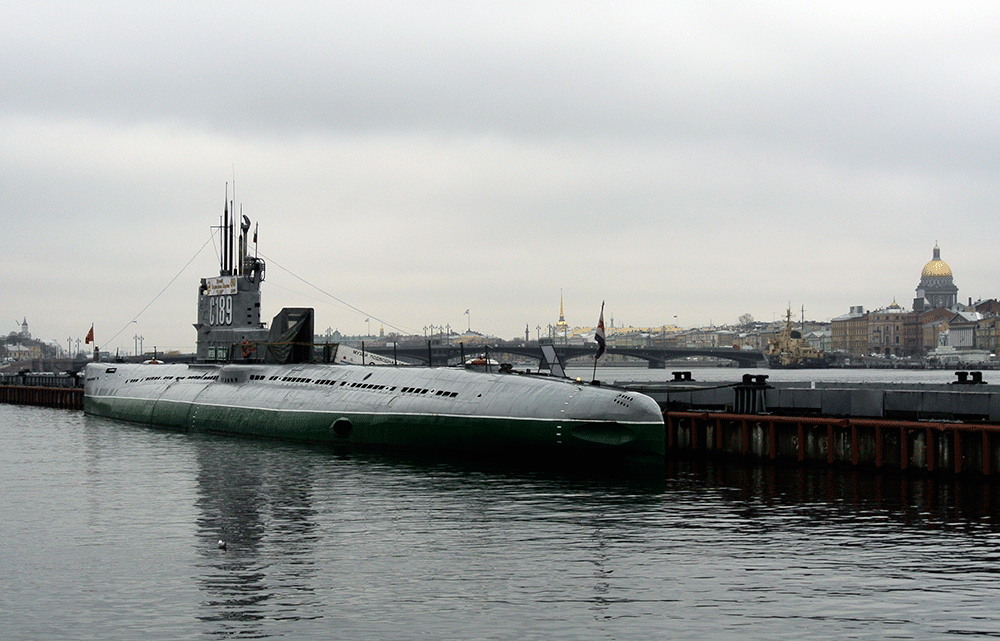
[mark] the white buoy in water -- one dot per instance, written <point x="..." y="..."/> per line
<point x="222" y="544"/>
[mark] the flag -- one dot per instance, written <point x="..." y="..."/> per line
<point x="599" y="335"/>
<point x="90" y="336"/>
<point x="255" y="234"/>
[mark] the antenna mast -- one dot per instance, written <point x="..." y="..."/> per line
<point x="232" y="226"/>
<point x="222" y="235"/>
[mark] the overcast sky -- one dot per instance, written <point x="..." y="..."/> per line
<point x="689" y="160"/>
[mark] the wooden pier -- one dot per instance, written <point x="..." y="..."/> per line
<point x="70" y="398"/>
<point x="43" y="389"/>
<point x="927" y="446"/>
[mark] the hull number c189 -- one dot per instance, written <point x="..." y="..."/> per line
<point x="220" y="310"/>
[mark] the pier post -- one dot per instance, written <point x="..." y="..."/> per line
<point x="878" y="446"/>
<point x="987" y="453"/>
<point x="904" y="449"/>
<point x="929" y="454"/>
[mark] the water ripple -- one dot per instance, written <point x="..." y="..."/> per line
<point x="111" y="531"/>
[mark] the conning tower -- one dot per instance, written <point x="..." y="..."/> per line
<point x="229" y="304"/>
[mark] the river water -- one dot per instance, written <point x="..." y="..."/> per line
<point x="111" y="531"/>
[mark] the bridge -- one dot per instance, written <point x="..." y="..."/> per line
<point x="656" y="357"/>
<point x="441" y="354"/>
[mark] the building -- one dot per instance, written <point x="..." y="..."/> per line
<point x="962" y="330"/>
<point x="989" y="307"/>
<point x="849" y="333"/>
<point x="892" y="331"/>
<point x="820" y="339"/>
<point x="934" y="329"/>
<point x="937" y="285"/>
<point x="988" y="333"/>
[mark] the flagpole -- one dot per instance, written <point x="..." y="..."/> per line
<point x="599" y="337"/>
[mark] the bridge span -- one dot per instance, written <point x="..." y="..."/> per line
<point x="656" y="357"/>
<point x="439" y="354"/>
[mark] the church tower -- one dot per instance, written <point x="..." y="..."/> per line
<point x="937" y="285"/>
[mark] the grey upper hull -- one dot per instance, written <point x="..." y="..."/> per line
<point x="414" y="407"/>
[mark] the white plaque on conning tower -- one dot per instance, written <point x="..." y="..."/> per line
<point x="220" y="286"/>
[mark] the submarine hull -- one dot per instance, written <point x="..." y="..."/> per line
<point x="379" y="406"/>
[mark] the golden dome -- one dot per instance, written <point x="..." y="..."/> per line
<point x="936" y="268"/>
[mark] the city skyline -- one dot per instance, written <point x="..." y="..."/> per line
<point x="549" y="329"/>
<point x="409" y="162"/>
<point x="564" y="328"/>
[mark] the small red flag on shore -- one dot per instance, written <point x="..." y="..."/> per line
<point x="90" y="336"/>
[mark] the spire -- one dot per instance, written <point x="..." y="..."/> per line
<point x="562" y="326"/>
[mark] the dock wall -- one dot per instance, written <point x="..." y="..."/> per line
<point x="63" y="397"/>
<point x="963" y="400"/>
<point x="927" y="446"/>
<point x="46" y="390"/>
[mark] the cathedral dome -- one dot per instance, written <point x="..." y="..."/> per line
<point x="936" y="268"/>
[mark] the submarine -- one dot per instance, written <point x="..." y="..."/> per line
<point x="255" y="380"/>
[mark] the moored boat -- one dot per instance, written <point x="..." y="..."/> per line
<point x="788" y="350"/>
<point x="261" y="381"/>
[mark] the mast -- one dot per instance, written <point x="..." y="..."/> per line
<point x="241" y="250"/>
<point x="232" y="227"/>
<point x="222" y="235"/>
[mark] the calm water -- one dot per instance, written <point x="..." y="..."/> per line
<point x="110" y="531"/>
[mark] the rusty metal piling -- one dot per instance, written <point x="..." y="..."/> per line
<point x="925" y="446"/>
<point x="60" y="397"/>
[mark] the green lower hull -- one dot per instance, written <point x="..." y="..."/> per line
<point x="418" y="431"/>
